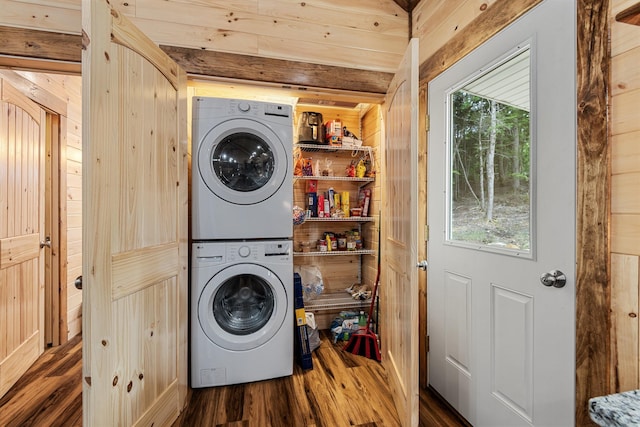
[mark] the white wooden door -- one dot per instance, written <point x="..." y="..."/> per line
<point x="21" y="230"/>
<point x="135" y="225"/>
<point x="399" y="278"/>
<point x="501" y="343"/>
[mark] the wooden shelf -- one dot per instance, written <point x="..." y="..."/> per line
<point x="334" y="301"/>
<point x="630" y="15"/>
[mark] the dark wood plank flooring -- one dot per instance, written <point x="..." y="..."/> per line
<point x="49" y="393"/>
<point x="341" y="390"/>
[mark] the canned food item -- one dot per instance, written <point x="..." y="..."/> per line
<point x="342" y="242"/>
<point x="351" y="242"/>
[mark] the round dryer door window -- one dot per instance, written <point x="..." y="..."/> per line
<point x="242" y="306"/>
<point x="242" y="161"/>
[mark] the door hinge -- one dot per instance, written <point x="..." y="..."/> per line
<point x="426" y="123"/>
<point x="427" y="343"/>
<point x="426" y="232"/>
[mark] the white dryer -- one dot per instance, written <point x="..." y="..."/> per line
<point x="243" y="168"/>
<point x="241" y="312"/>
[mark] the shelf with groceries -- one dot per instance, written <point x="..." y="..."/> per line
<point x="333" y="189"/>
<point x="334" y="178"/>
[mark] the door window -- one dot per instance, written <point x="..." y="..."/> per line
<point x="243" y="162"/>
<point x="489" y="170"/>
<point x="243" y="304"/>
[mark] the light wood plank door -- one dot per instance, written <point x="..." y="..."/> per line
<point x="21" y="230"/>
<point x="135" y="225"/>
<point x="399" y="283"/>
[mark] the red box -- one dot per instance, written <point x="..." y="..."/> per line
<point x="333" y="132"/>
<point x="312" y="186"/>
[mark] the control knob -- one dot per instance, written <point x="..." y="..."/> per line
<point x="244" y="251"/>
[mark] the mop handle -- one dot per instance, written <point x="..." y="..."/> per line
<point x="375" y="287"/>
<point x="373" y="301"/>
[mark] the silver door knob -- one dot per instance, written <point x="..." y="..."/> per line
<point x="555" y="278"/>
<point x="422" y="265"/>
<point x="46" y="242"/>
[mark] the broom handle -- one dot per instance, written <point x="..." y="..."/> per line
<point x="375" y="287"/>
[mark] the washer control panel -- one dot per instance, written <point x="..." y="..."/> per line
<point x="244" y="251"/>
<point x="216" y="253"/>
<point x="276" y="249"/>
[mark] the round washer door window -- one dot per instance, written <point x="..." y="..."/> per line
<point x="242" y="307"/>
<point x="243" y="304"/>
<point x="242" y="161"/>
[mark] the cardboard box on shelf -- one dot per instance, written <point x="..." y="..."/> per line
<point x="333" y="132"/>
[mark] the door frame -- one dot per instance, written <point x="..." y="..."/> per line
<point x="593" y="288"/>
<point x="55" y="280"/>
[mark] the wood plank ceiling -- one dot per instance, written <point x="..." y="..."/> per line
<point x="352" y="46"/>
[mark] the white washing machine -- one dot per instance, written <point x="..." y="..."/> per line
<point x="243" y="167"/>
<point x="241" y="312"/>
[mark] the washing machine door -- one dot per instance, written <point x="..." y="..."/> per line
<point x="243" y="161"/>
<point x="242" y="307"/>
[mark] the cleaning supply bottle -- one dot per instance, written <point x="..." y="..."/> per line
<point x="362" y="321"/>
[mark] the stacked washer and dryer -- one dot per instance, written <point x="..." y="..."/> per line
<point x="242" y="265"/>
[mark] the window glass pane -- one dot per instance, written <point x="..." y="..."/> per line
<point x="490" y="151"/>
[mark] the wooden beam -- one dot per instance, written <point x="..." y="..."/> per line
<point x="593" y="287"/>
<point x="286" y="73"/>
<point x="493" y="19"/>
<point x="38" y="44"/>
<point x="630" y="15"/>
<point x="407" y="5"/>
<point x="62" y="52"/>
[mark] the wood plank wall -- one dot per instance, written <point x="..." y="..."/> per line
<point x="356" y="34"/>
<point x="69" y="88"/>
<point x="435" y="22"/>
<point x="625" y="201"/>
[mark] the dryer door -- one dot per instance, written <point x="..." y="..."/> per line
<point x="242" y="161"/>
<point x="242" y="307"/>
